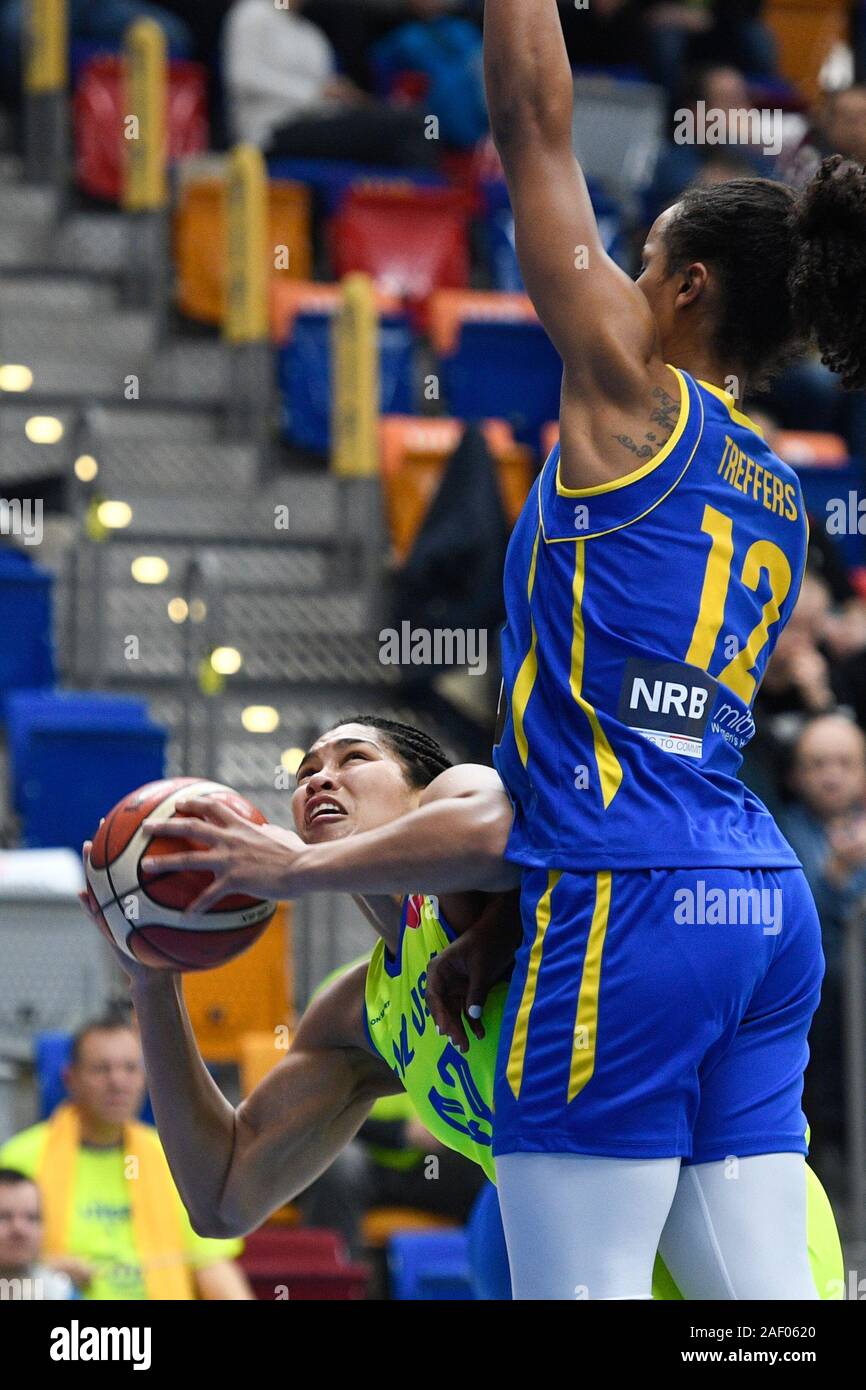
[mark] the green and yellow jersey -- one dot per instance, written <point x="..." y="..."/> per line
<point x="101" y="1226"/>
<point x="452" y="1092"/>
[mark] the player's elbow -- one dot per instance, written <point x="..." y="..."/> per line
<point x="214" y="1225"/>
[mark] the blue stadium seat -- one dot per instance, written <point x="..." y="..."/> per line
<point x="430" y="1265"/>
<point x="51" y="1053"/>
<point x="331" y="179"/>
<point x="821" y="486"/>
<point x="304" y="375"/>
<point x="73" y="758"/>
<point x="501" y="250"/>
<point x="505" y="370"/>
<point x="78" y="709"/>
<point x="25" y="610"/>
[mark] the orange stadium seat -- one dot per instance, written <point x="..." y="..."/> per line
<point x="806" y="33"/>
<point x="288" y="298"/>
<point x="411" y="240"/>
<point x="449" y="309"/>
<point x="99" y="109"/>
<point x="200" y="242"/>
<point x="811" y="449"/>
<point x="414" y="453"/>
<point x="381" y="1223"/>
<point x="250" y="994"/>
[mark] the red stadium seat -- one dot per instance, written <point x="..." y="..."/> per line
<point x="307" y="1264"/>
<point x="411" y="240"/>
<point x="99" y="110"/>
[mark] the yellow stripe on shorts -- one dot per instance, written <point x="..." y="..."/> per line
<point x="586" y="1022"/>
<point x="517" y="1052"/>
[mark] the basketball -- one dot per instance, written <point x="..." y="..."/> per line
<point x="142" y="913"/>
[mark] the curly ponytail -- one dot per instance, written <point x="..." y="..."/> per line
<point x="828" y="275"/>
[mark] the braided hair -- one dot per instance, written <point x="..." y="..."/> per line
<point x="422" y="757"/>
<point x="791" y="268"/>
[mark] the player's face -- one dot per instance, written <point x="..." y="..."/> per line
<point x="20" y="1225"/>
<point x="349" y="781"/>
<point x="108" y="1081"/>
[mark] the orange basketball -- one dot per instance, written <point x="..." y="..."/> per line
<point x="143" y="913"/>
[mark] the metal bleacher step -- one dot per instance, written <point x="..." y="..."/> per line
<point x="20" y="458"/>
<point x="26" y="205"/>
<point x="61" y="295"/>
<point x="136" y="421"/>
<point x="117" y="336"/>
<point x="23" y="247"/>
<point x="311" y="503"/>
<point x="95" y="242"/>
<point x="286" y="569"/>
<point x="168" y="468"/>
<point x="189" y="371"/>
<point x="279" y="658"/>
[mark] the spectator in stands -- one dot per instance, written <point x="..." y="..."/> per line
<point x="446" y="49"/>
<point x="113" y="1218"/>
<point x="799" y="677"/>
<point x="101" y="22"/>
<point x="722" y="31"/>
<point x="827" y="828"/>
<point x="609" y="33"/>
<point x="681" y="163"/>
<point x="285" y="94"/>
<point x="837" y="126"/>
<point x="23" y="1275"/>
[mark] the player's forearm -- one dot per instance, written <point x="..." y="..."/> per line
<point x="449" y="846"/>
<point x="527" y="75"/>
<point x="195" y="1121"/>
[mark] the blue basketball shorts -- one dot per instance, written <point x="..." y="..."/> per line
<point x="659" y="1012"/>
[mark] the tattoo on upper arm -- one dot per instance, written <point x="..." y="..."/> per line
<point x="664" y="414"/>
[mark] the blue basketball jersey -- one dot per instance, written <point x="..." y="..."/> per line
<point x="641" y="617"/>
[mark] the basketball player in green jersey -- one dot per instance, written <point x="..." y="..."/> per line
<point x="370" y="1033"/>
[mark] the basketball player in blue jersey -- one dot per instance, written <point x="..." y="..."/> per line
<point x="650" y="1069"/>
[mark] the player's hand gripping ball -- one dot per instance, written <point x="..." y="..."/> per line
<point x="143" y="914"/>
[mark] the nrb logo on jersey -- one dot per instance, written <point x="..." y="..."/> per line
<point x="669" y="703"/>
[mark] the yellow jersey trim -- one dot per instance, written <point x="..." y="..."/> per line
<point x="728" y="401"/>
<point x="595" y="535"/>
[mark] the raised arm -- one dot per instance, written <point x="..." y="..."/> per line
<point x="234" y="1167"/>
<point x="599" y="322"/>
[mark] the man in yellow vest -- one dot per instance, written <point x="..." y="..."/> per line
<point x="113" y="1217"/>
